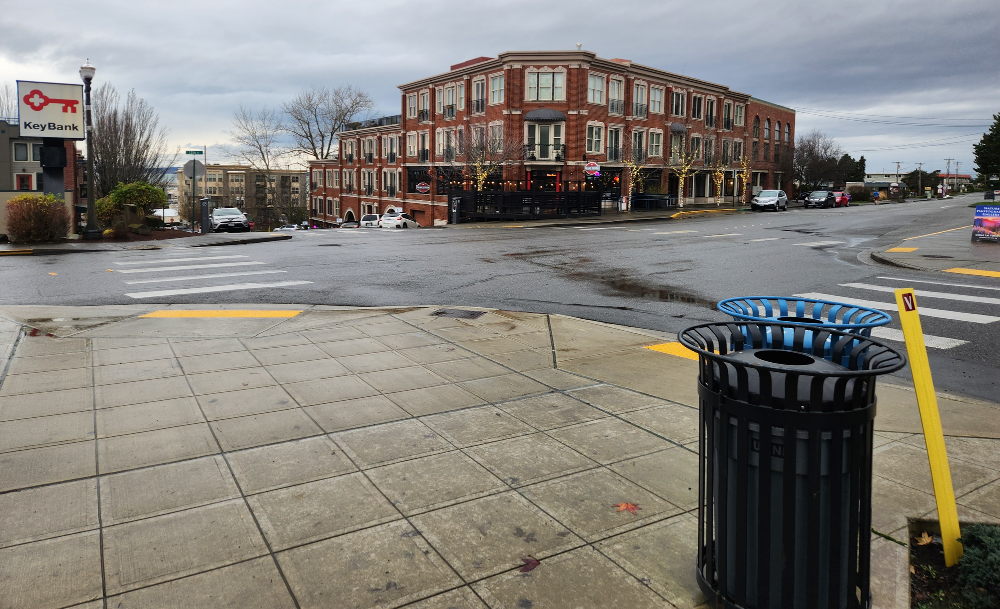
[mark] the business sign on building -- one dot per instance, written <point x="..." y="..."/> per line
<point x="47" y="109"/>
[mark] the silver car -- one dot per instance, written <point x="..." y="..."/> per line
<point x="229" y="219"/>
<point x="770" y="199"/>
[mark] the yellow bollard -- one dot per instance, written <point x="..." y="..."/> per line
<point x="930" y="418"/>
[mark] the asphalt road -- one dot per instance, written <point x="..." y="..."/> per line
<point x="663" y="275"/>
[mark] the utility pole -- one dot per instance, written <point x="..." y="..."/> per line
<point x="898" y="163"/>
<point x="920" y="180"/>
<point x="958" y="164"/>
<point x="947" y="172"/>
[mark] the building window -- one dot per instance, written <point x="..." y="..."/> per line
<point x="438" y="142"/>
<point x="655" y="143"/>
<point x="696" y="146"/>
<point x="20" y="152"/>
<point x="461" y="96"/>
<point x="411" y="144"/>
<point x="727" y="115"/>
<point x="788" y="132"/>
<point x="767" y="151"/>
<point x="616" y="97"/>
<point x="676" y="145"/>
<point x="496" y="89"/>
<point x="737" y="150"/>
<point x="767" y="130"/>
<point x="656" y="100"/>
<point x="756" y="130"/>
<point x="439" y="100"/>
<point x="425" y="101"/>
<point x="595" y="89"/>
<point x="545" y="86"/>
<point x="411" y="106"/>
<point x="709" y="151"/>
<point x="496" y="137"/>
<point x="709" y="112"/>
<point x="595" y="133"/>
<point x="696" y="104"/>
<point x="329" y="177"/>
<point x="739" y="115"/>
<point x="478" y="96"/>
<point x="677" y="106"/>
<point x="777" y="131"/>
<point x="639" y="109"/>
<point x="726" y="149"/>
<point x="755" y="150"/>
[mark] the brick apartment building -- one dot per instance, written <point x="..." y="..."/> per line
<point x="265" y="196"/>
<point x="550" y="112"/>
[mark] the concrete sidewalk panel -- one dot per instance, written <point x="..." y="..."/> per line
<point x="614" y="399"/>
<point x="908" y="464"/>
<point x="149" y="416"/>
<point x="136" y="392"/>
<point x="208" y="346"/>
<point x="443" y="398"/>
<point x="306" y="371"/>
<point x="63" y="321"/>
<point x="37" y="382"/>
<point x="196" y="364"/>
<point x="409" y="340"/>
<point x="585" y="502"/>
<point x="324" y="391"/>
<point x="897" y="411"/>
<point x="155" y="447"/>
<point x="374" y="362"/>
<point x="231" y="380"/>
<point x="890" y="579"/>
<point x="43" y="431"/>
<point x="664" y="376"/>
<point x="463" y="598"/>
<point x="158" y="549"/>
<point x="488" y="536"/>
<point x="99" y="344"/>
<point x="387" y="565"/>
<point x="178" y="327"/>
<point x="529" y="459"/>
<point x="268" y="428"/>
<point x="165" y="488"/>
<point x="523" y="361"/>
<point x="38" y="466"/>
<point x="402" y="379"/>
<point x="981" y="451"/>
<point x="26" y="406"/>
<point x="244" y="402"/>
<point x="31" y="346"/>
<point x="48" y="511"/>
<point x="274" y="341"/>
<point x="559" y="379"/>
<point x="125" y="355"/>
<point x="254" y="584"/>
<point x="317" y="510"/>
<point x="289" y="463"/>
<point x="433" y="354"/>
<point x="552" y="410"/>
<point x="390" y="442"/>
<point x="333" y="334"/>
<point x="580" y="578"/>
<point x="892" y="503"/>
<point x="497" y="345"/>
<point x="361" y="412"/>
<point x="383" y="327"/>
<point x="52" y="573"/>
<point x="357" y="346"/>
<point x="672" y="474"/>
<point x="289" y="354"/>
<point x="428" y="483"/>
<point x="50" y="363"/>
<point x="574" y="337"/>
<point x="502" y="388"/>
<point x="124" y="373"/>
<point x="468" y="369"/>
<point x="672" y="421"/>
<point x="609" y="440"/>
<point x="476" y="425"/>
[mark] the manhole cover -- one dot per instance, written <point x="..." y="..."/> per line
<point x="936" y="256"/>
<point x="328" y="245"/>
<point x="458" y="313"/>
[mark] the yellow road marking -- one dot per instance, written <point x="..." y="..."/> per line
<point x="17" y="252"/>
<point x="937" y="233"/>
<point x="220" y="313"/>
<point x="513" y="226"/>
<point x="902" y="249"/>
<point x="962" y="271"/>
<point x="675" y="348"/>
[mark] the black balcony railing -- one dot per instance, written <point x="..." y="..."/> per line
<point x="710" y="120"/>
<point x="449" y="153"/>
<point x="544" y="152"/>
<point x="392" y="191"/>
<point x="640" y="110"/>
<point x="449" y="111"/>
<point x="727" y="123"/>
<point x="369" y="190"/>
<point x="369" y="157"/>
<point x="614" y="154"/>
<point x="392" y="157"/>
<point x="616" y="106"/>
<point x="348" y="188"/>
<point x="349" y="157"/>
<point x="639" y="156"/>
<point x="423" y="155"/>
<point x="479" y="106"/>
<point x="394" y="119"/>
<point x="423" y="116"/>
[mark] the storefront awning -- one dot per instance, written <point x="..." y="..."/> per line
<point x="677" y="128"/>
<point x="544" y="115"/>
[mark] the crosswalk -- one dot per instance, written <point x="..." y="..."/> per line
<point x="153" y="270"/>
<point x="953" y="314"/>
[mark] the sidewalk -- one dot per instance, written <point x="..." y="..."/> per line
<point x="200" y="456"/>
<point x="610" y="217"/>
<point x="951" y="251"/>
<point x="78" y="246"/>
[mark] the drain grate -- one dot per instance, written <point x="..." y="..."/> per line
<point x="936" y="256"/>
<point x="328" y="245"/>
<point x="458" y="313"/>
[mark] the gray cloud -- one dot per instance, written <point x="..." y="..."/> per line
<point x="195" y="61"/>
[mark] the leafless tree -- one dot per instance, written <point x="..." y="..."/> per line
<point x="129" y="144"/>
<point x="815" y="161"/>
<point x="8" y="101"/>
<point x="482" y="152"/>
<point x="315" y="116"/>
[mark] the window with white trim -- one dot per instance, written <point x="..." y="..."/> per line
<point x="411" y="144"/>
<point x="496" y="136"/>
<point x="696" y="146"/>
<point x="545" y="86"/>
<point x="739" y="115"/>
<point x="788" y="132"/>
<point x="329" y="177"/>
<point x="656" y="100"/>
<point x="496" y="89"/>
<point x="595" y="89"/>
<point x="461" y="96"/>
<point x="727" y="115"/>
<point x="697" y="102"/>
<point x="655" y="143"/>
<point x="336" y="179"/>
<point x="676" y="145"/>
<point x="726" y="152"/>
<point x="737" y="150"/>
<point x="616" y="96"/>
<point x="329" y="207"/>
<point x="317" y="177"/>
<point x="479" y="96"/>
<point x="336" y="207"/>
<point x="767" y="129"/>
<point x="411" y="106"/>
<point x="709" y="152"/>
<point x="438" y="142"/>
<point x="425" y="100"/>
<point x="677" y="103"/>
<point x="709" y="112"/>
<point x="439" y="99"/>
<point x="595" y="137"/>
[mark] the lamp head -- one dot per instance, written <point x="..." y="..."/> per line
<point x="87" y="71"/>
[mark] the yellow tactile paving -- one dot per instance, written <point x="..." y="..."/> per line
<point x="902" y="249"/>
<point x="221" y="313"/>
<point x="674" y="348"/>
<point x="962" y="271"/>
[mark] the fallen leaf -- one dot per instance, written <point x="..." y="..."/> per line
<point x="912" y="570"/>
<point x="110" y="271"/>
<point x="924" y="539"/>
<point x="529" y="563"/>
<point x="53" y="273"/>
<point x="631" y="508"/>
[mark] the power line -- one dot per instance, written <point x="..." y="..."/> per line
<point x="885" y="122"/>
<point x="955" y="140"/>
<point x="932" y="118"/>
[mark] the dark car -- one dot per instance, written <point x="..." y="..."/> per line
<point x="821" y="198"/>
<point x="351" y="224"/>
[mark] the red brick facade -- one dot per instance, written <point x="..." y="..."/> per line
<point x="559" y="110"/>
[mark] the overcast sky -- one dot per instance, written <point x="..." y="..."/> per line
<point x="870" y="61"/>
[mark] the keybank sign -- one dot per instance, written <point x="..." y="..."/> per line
<point x="48" y="109"/>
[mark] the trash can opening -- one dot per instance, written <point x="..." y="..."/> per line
<point x="800" y="320"/>
<point x="784" y="358"/>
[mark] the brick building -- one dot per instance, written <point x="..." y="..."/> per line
<point x="549" y="113"/>
<point x="265" y="196"/>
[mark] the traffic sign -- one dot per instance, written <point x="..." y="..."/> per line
<point x="194" y="167"/>
<point x="592" y="168"/>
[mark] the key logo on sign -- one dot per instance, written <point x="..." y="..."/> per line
<point x="908" y="303"/>
<point x="38" y="100"/>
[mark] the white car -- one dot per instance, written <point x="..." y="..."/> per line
<point x="770" y="199"/>
<point x="396" y="219"/>
<point x="229" y="219"/>
<point x="288" y="227"/>
<point x="370" y="220"/>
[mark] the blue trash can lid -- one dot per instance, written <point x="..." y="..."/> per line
<point x="804" y="311"/>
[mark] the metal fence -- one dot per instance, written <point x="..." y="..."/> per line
<point x="651" y="202"/>
<point x="476" y="206"/>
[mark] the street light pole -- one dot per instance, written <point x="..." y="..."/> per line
<point x="92" y="231"/>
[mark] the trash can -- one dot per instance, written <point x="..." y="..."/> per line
<point x="791" y="529"/>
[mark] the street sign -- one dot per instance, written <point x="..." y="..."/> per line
<point x="994" y="178"/>
<point x="423" y="188"/>
<point x="196" y="167"/>
<point x="592" y="168"/>
<point x="195" y="152"/>
<point x="48" y="109"/>
<point x="252" y="224"/>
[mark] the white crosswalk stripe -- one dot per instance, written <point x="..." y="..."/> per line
<point x="934" y="342"/>
<point x="196" y="277"/>
<point x="820" y="243"/>
<point x="951" y="285"/>
<point x="891" y="306"/>
<point x="160" y="269"/>
<point x="163" y="260"/>
<point x="215" y="288"/>
<point x="926" y="294"/>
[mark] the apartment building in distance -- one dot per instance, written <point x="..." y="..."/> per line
<point x="551" y="113"/>
<point x="266" y="196"/>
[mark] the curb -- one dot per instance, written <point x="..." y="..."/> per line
<point x="244" y="241"/>
<point x="41" y="251"/>
<point x="674" y="216"/>
<point x="878" y="257"/>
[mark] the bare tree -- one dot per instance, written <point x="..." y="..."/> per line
<point x="129" y="144"/>
<point x="816" y="156"/>
<point x="315" y="116"/>
<point x="8" y="101"/>
<point x="485" y="151"/>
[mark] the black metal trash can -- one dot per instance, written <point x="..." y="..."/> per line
<point x="772" y="536"/>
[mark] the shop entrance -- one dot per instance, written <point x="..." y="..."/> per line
<point x="541" y="179"/>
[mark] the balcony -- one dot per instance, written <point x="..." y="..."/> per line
<point x="423" y="116"/>
<point x="348" y="189"/>
<point x="639" y="156"/>
<point x="614" y="154"/>
<point x="449" y="111"/>
<point x="449" y="153"/>
<point x="369" y="158"/>
<point x="392" y="157"/>
<point x="640" y="110"/>
<point x="369" y="190"/>
<point x="545" y="152"/>
<point x="349" y="157"/>
<point x="727" y="123"/>
<point x="479" y="106"/>
<point x="710" y="121"/>
<point x="616" y="106"/>
<point x="424" y="155"/>
<point x="392" y="191"/>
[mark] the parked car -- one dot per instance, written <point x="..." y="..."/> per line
<point x="370" y="220"/>
<point x="770" y="199"/>
<point x="802" y="196"/>
<point x="841" y="199"/>
<point x="397" y="219"/>
<point x="226" y="219"/>
<point x="351" y="224"/>
<point x="821" y="198"/>
<point x="288" y="227"/>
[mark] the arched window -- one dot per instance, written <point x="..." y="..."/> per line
<point x="788" y="132"/>
<point x="777" y="131"/>
<point x="767" y="129"/>
<point x="756" y="126"/>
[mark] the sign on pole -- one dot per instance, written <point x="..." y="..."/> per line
<point x="930" y="419"/>
<point x="47" y="109"/>
<point x="194" y="169"/>
<point x="592" y="168"/>
<point x="194" y="152"/>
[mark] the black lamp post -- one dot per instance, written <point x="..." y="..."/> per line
<point x="87" y="72"/>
